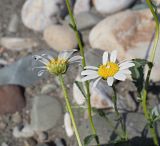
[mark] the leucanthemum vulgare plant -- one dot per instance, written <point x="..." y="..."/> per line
<point x="58" y="66"/>
<point x="109" y="71"/>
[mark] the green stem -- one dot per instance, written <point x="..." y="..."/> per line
<point x="144" y="92"/>
<point x="73" y="22"/>
<point x="70" y="109"/>
<point x="114" y="98"/>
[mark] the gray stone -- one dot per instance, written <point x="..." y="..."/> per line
<point x="18" y="44"/>
<point x="46" y="112"/>
<point x="85" y="20"/>
<point x="20" y="72"/>
<point x="48" y="88"/>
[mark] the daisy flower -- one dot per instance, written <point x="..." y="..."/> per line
<point x="109" y="70"/>
<point x="57" y="65"/>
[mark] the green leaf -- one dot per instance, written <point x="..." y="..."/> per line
<point x="89" y="138"/>
<point x="81" y="88"/>
<point x="138" y="73"/>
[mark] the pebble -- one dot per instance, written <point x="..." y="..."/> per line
<point x="4" y="144"/>
<point x="12" y="99"/>
<point x="82" y="24"/>
<point x="53" y="36"/>
<point x="81" y="6"/>
<point x="17" y="44"/>
<point x="59" y="142"/>
<point x="16" y="118"/>
<point x="13" y="24"/>
<point x="109" y="7"/>
<point x="45" y="113"/>
<point x="2" y="125"/>
<point x="42" y="136"/>
<point x="48" y="88"/>
<point x="38" y="14"/>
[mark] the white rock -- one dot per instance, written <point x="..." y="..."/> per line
<point x="37" y="14"/>
<point x="99" y="95"/>
<point x="46" y="112"/>
<point x="4" y="144"/>
<point x="60" y="37"/>
<point x="17" y="44"/>
<point x="26" y="132"/>
<point x="111" y="6"/>
<point x="81" y="6"/>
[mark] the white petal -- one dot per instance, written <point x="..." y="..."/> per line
<point x="40" y="73"/>
<point x="110" y="81"/>
<point x="91" y="67"/>
<point x="89" y="77"/>
<point x="48" y="56"/>
<point x="96" y="82"/>
<point x="68" y="125"/>
<point x="113" y="56"/>
<point x="125" y="71"/>
<point x="105" y="58"/>
<point x="126" y="65"/>
<point x="41" y="67"/>
<point x="75" y="58"/>
<point x="66" y="54"/>
<point x="120" y="76"/>
<point x="41" y="59"/>
<point x="88" y="72"/>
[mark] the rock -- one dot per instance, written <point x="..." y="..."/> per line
<point x="48" y="88"/>
<point x="81" y="6"/>
<point x="21" y="72"/>
<point x="106" y="130"/>
<point x="59" y="142"/>
<point x="130" y="42"/>
<point x="4" y="144"/>
<point x="46" y="112"/>
<point x="37" y="14"/>
<point x="13" y="24"/>
<point x="108" y="7"/>
<point x="12" y="99"/>
<point x="16" y="118"/>
<point x="3" y="125"/>
<point x="26" y="132"/>
<point x="53" y="36"/>
<point x="42" y="136"/>
<point x="17" y="44"/>
<point x="100" y="95"/>
<point x="92" y="19"/>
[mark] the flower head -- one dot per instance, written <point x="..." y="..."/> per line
<point x="108" y="70"/>
<point x="57" y="65"/>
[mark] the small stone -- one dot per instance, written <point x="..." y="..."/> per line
<point x="42" y="136"/>
<point x="12" y="99"/>
<point x="2" y="125"/>
<point x="17" y="44"/>
<point x="48" y="88"/>
<point x="81" y="6"/>
<point x="26" y="132"/>
<point x="82" y="24"/>
<point x="37" y="14"/>
<point x="108" y="7"/>
<point x="46" y="112"/>
<point x="59" y="142"/>
<point x="60" y="37"/>
<point x="4" y="144"/>
<point x="13" y="24"/>
<point x="16" y="118"/>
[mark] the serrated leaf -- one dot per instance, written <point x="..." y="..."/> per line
<point x="81" y="88"/>
<point x="89" y="138"/>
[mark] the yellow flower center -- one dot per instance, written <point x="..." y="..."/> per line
<point x="108" y="70"/>
<point x="58" y="66"/>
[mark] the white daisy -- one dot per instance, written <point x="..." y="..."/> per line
<point x="57" y="65"/>
<point x="68" y="125"/>
<point x="108" y="70"/>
